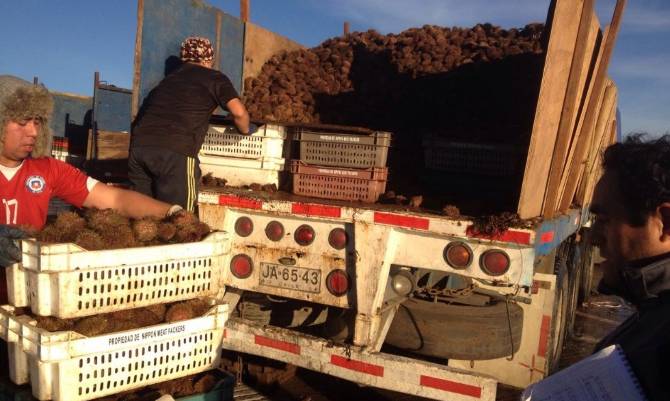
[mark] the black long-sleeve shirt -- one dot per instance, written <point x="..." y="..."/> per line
<point x="175" y="115"/>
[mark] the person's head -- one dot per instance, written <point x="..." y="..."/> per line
<point x="197" y="50"/>
<point x="631" y="202"/>
<point x="24" y="124"/>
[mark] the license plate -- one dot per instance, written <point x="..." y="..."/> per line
<point x="290" y="277"/>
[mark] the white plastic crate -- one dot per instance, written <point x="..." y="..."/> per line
<point x="69" y="366"/>
<point x="224" y="140"/>
<point x="66" y="281"/>
<point x="239" y="172"/>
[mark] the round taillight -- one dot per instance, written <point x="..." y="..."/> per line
<point x="337" y="282"/>
<point x="337" y="238"/>
<point x="304" y="235"/>
<point x="458" y="255"/>
<point x="274" y="231"/>
<point x="244" y="226"/>
<point x="241" y="266"/>
<point x="402" y="283"/>
<point x="495" y="262"/>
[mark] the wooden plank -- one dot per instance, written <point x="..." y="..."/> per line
<point x="601" y="139"/>
<point x="579" y="137"/>
<point x="560" y="50"/>
<point x="90" y="145"/>
<point x="598" y="168"/>
<point x="111" y="145"/>
<point x="590" y="116"/>
<point x="598" y="140"/>
<point x="601" y="136"/>
<point x="581" y="65"/>
<point x="261" y="44"/>
<point x="134" y="104"/>
<point x="594" y="149"/>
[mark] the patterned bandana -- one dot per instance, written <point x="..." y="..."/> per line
<point x="196" y="49"/>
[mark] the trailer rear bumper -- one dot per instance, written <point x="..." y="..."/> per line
<point x="353" y="363"/>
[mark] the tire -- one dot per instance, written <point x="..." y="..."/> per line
<point x="456" y="331"/>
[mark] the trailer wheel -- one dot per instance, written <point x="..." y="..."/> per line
<point x="455" y="331"/>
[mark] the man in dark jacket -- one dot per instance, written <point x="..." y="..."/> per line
<point x="631" y="205"/>
<point x="172" y="123"/>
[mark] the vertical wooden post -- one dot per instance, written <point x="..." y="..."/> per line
<point x="217" y="41"/>
<point x="134" y="105"/>
<point x="346" y="28"/>
<point x="94" y="126"/>
<point x="36" y="80"/>
<point x="244" y="10"/>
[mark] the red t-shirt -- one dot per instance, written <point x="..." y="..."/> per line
<point x="25" y="198"/>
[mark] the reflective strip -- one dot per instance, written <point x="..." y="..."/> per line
<point x="402" y="221"/>
<point x="315" y="210"/>
<point x="545" y="328"/>
<point x="359" y="366"/>
<point x="236" y="201"/>
<point x="517" y="237"/>
<point x="451" y="386"/>
<point x="547" y="237"/>
<point x="277" y="344"/>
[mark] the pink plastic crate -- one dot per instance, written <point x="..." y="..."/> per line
<point x="365" y="185"/>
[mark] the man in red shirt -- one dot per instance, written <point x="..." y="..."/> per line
<point x="29" y="178"/>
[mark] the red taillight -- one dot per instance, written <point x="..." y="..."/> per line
<point x="241" y="266"/>
<point x="495" y="262"/>
<point x="337" y="238"/>
<point x="274" y="230"/>
<point x="458" y="255"/>
<point x="304" y="235"/>
<point x="244" y="226"/>
<point x="337" y="282"/>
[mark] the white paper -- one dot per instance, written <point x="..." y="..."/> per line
<point x="605" y="376"/>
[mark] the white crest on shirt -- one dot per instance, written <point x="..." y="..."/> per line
<point x="35" y="184"/>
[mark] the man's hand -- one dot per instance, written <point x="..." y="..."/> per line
<point x="9" y="252"/>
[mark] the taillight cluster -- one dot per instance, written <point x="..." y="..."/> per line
<point x="337" y="282"/>
<point x="493" y="262"/>
<point x="241" y="266"/>
<point x="303" y="235"/>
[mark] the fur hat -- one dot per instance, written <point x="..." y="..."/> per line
<point x="196" y="49"/>
<point x="28" y="102"/>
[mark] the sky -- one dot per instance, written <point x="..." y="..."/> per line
<point x="63" y="42"/>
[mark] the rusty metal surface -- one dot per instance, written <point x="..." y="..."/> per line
<point x="594" y="320"/>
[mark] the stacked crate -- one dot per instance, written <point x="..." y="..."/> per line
<point x="341" y="166"/>
<point x="464" y="158"/>
<point x="244" y="159"/>
<point x="66" y="281"/>
<point x="60" y="148"/>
